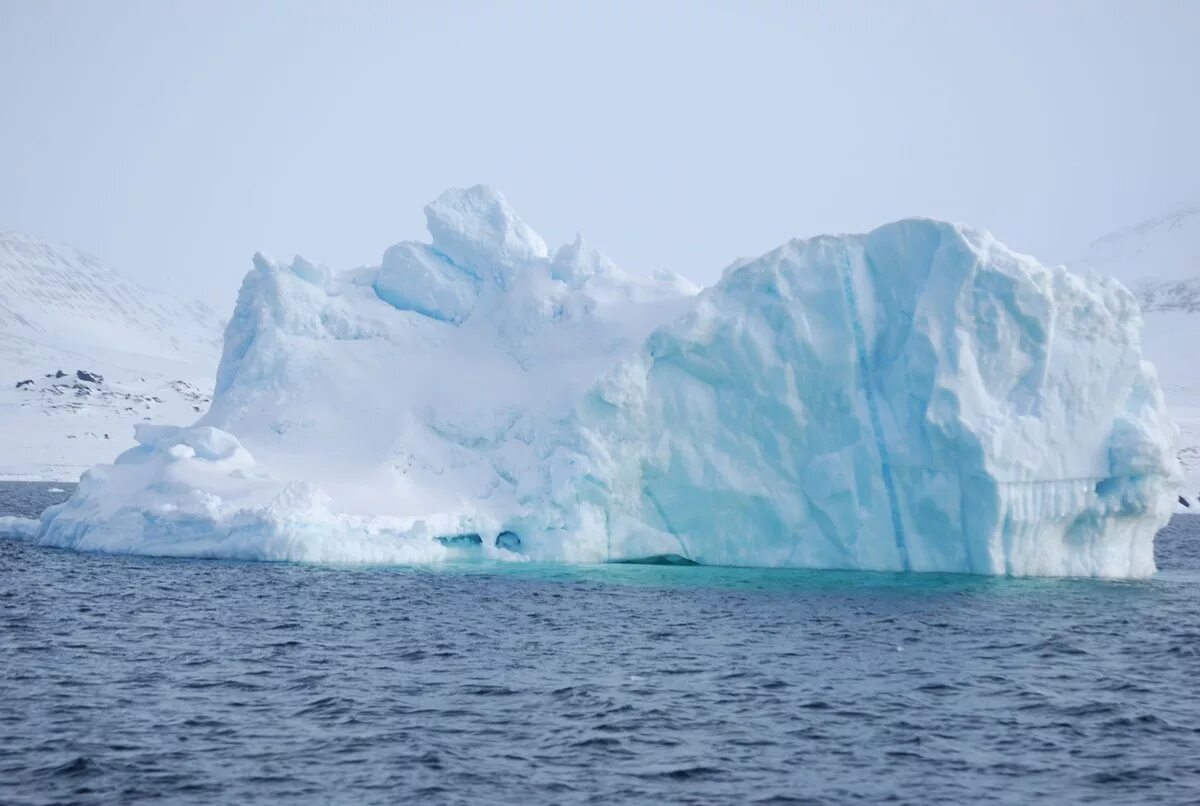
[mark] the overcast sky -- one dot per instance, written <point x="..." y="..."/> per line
<point x="175" y="139"/>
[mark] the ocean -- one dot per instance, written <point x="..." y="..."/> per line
<point x="130" y="679"/>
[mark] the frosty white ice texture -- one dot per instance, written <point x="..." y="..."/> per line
<point x="916" y="398"/>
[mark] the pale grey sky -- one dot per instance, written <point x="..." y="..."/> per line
<point x="173" y="139"/>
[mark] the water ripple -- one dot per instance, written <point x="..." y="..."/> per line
<point x="127" y="679"/>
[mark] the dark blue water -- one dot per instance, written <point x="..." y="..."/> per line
<point x="131" y="679"/>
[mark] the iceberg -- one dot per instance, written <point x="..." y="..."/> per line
<point x="918" y="398"/>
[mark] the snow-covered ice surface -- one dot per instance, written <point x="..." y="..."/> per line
<point x="915" y="398"/>
<point x="148" y="355"/>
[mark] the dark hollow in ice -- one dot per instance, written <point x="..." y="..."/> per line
<point x="461" y="541"/>
<point x="658" y="559"/>
<point x="508" y="540"/>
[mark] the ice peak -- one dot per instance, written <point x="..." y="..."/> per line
<point x="478" y="227"/>
<point x="576" y="261"/>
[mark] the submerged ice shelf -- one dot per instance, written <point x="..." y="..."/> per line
<point x="916" y="398"/>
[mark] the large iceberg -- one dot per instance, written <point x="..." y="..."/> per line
<point x="916" y="398"/>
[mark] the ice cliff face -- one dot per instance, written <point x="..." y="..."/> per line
<point x="918" y="398"/>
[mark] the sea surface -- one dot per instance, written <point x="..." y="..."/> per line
<point x="130" y="679"/>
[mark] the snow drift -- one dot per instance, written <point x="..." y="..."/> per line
<point x="917" y="398"/>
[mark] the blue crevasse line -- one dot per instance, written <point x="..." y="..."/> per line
<point x="864" y="368"/>
<point x="662" y="515"/>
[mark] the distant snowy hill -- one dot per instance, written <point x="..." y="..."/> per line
<point x="1150" y="254"/>
<point x="1159" y="260"/>
<point x="88" y="353"/>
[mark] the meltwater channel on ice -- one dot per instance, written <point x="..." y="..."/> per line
<point x="916" y="398"/>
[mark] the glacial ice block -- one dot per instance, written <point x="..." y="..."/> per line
<point x="917" y="398"/>
<point x="476" y="227"/>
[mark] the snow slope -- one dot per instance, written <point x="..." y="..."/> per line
<point x="1156" y="251"/>
<point x="917" y="398"/>
<point x="1159" y="260"/>
<point x="62" y="311"/>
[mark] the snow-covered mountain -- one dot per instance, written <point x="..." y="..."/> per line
<point x="1155" y="252"/>
<point x="86" y="354"/>
<point x="1159" y="260"/>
